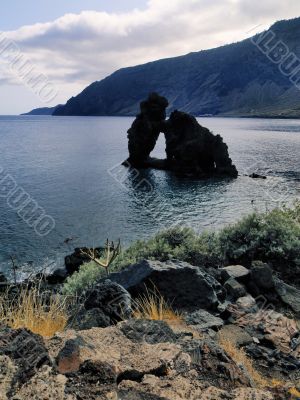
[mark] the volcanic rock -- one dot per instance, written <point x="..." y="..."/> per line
<point x="27" y="353"/>
<point x="185" y="286"/>
<point x="190" y="148"/>
<point x="238" y="272"/>
<point x="144" y="132"/>
<point x="262" y="275"/>
<point x="289" y="295"/>
<point x="202" y="320"/>
<point x="105" y="304"/>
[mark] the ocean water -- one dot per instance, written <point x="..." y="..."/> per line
<point x="70" y="166"/>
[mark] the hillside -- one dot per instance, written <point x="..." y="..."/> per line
<point x="233" y="80"/>
<point x="42" y="111"/>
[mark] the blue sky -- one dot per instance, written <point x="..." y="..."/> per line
<point x="15" y="13"/>
<point x="71" y="43"/>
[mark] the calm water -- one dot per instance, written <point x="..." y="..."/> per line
<point x="64" y="164"/>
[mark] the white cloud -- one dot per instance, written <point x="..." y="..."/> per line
<point x="75" y="50"/>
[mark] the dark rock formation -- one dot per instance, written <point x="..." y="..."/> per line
<point x="88" y="319"/>
<point x="234" y="289"/>
<point x="105" y="304"/>
<point x="94" y="380"/>
<point x="202" y="321"/>
<point x="57" y="277"/>
<point x="257" y="176"/>
<point x="185" y="286"/>
<point x="152" y="332"/>
<point x="144" y="132"/>
<point x="262" y="276"/>
<point x="3" y="282"/>
<point x="190" y="148"/>
<point x="215" y="365"/>
<point x="289" y="295"/>
<point x="112" y="298"/>
<point x="274" y="359"/>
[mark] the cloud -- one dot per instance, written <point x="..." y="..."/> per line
<point x="76" y="49"/>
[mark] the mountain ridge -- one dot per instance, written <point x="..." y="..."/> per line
<point x="234" y="80"/>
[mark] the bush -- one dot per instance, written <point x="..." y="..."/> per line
<point x="161" y="247"/>
<point x="272" y="237"/>
<point x="88" y="274"/>
<point x="176" y="243"/>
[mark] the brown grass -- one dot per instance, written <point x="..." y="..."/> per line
<point x="295" y="393"/>
<point x="31" y="310"/>
<point x="240" y="357"/>
<point x="153" y="306"/>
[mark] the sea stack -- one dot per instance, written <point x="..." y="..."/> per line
<point x="191" y="149"/>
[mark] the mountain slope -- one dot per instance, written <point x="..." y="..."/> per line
<point x="235" y="80"/>
<point x="42" y="111"/>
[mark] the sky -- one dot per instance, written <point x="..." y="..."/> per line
<point x="51" y="50"/>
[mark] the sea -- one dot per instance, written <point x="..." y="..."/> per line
<point x="69" y="169"/>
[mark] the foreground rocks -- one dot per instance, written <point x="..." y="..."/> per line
<point x="185" y="286"/>
<point x="190" y="148"/>
<point x="135" y="359"/>
<point x="105" y="304"/>
<point x="22" y="353"/>
<point x="236" y="336"/>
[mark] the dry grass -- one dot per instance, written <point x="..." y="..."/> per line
<point x="153" y="306"/>
<point x="294" y="393"/>
<point x="43" y="315"/>
<point x="240" y="357"/>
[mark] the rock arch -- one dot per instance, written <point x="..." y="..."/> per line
<point x="190" y="147"/>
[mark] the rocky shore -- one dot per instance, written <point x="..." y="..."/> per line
<point x="236" y="336"/>
<point x="179" y="316"/>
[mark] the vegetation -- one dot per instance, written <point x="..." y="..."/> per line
<point x="85" y="278"/>
<point x="111" y="252"/>
<point x="273" y="236"/>
<point x="153" y="306"/>
<point x="42" y="313"/>
<point x="295" y="393"/>
<point x="175" y="243"/>
<point x="241" y="358"/>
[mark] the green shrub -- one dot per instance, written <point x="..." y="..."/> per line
<point x="162" y="246"/>
<point x="86" y="277"/>
<point x="273" y="236"/>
